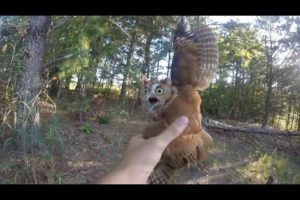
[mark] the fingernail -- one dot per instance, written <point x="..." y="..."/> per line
<point x="182" y="121"/>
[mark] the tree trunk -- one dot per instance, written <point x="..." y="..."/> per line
<point x="157" y="68"/>
<point x="267" y="105"/>
<point x="93" y="62"/>
<point x="269" y="77"/>
<point x="128" y="65"/>
<point x="298" y="128"/>
<point x="232" y="102"/>
<point x="79" y="83"/>
<point x="273" y="120"/>
<point x="145" y="69"/>
<point x="169" y="63"/>
<point x="288" y="117"/>
<point x="29" y="83"/>
<point x="54" y="87"/>
<point x="292" y="121"/>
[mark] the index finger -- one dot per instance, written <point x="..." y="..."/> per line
<point x="173" y="131"/>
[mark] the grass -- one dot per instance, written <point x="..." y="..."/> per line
<point x="108" y="137"/>
<point x="279" y="165"/>
<point x="32" y="161"/>
<point x="112" y="151"/>
<point x="232" y="161"/>
<point x="87" y="128"/>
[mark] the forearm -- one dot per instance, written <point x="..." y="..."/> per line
<point x="142" y="155"/>
<point x="124" y="175"/>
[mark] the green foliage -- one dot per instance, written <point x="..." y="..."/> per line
<point x="213" y="162"/>
<point x="107" y="90"/>
<point x="87" y="128"/>
<point x="104" y="119"/>
<point x="54" y="136"/>
<point x="48" y="140"/>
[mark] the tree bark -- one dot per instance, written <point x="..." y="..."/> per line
<point x="127" y="66"/>
<point x="169" y="64"/>
<point x="298" y="128"/>
<point x="288" y="117"/>
<point x="79" y="82"/>
<point x="93" y="62"/>
<point x="29" y="83"/>
<point x="145" y="69"/>
<point x="269" y="77"/>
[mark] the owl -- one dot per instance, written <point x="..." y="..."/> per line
<point x="193" y="67"/>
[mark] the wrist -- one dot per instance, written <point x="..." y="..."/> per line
<point x="133" y="173"/>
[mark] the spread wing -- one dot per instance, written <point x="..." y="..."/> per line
<point x="196" y="56"/>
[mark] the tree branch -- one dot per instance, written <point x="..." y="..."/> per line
<point x="58" y="60"/>
<point x="66" y="19"/>
<point x="127" y="34"/>
<point x="215" y="125"/>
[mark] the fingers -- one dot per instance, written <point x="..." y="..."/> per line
<point x="172" y="132"/>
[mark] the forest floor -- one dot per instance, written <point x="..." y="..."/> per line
<point x="87" y="155"/>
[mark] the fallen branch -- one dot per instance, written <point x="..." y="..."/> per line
<point x="217" y="126"/>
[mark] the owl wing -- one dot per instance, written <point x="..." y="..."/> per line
<point x="196" y="56"/>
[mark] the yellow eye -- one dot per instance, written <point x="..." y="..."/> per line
<point x="159" y="91"/>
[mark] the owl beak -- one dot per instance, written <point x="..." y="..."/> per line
<point x="153" y="101"/>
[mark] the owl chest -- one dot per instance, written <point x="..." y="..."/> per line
<point x="183" y="104"/>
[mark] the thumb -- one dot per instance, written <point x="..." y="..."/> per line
<point x="173" y="131"/>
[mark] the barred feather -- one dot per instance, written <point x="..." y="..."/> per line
<point x="171" y="163"/>
<point x="196" y="56"/>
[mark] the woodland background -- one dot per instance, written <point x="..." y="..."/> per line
<point x="71" y="90"/>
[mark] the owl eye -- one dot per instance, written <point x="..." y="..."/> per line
<point x="159" y="91"/>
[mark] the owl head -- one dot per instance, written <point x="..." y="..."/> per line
<point x="158" y="95"/>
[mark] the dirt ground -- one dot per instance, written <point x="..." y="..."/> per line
<point x="87" y="156"/>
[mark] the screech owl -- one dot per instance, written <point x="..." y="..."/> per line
<point x="194" y="64"/>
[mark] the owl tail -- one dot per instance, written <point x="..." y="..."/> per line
<point x="162" y="173"/>
<point x="166" y="169"/>
<point x="187" y="157"/>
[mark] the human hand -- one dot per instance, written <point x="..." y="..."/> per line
<point x="141" y="156"/>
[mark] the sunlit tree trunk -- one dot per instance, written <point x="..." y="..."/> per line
<point x="298" y="128"/>
<point x="128" y="65"/>
<point x="288" y="117"/>
<point x="29" y="83"/>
